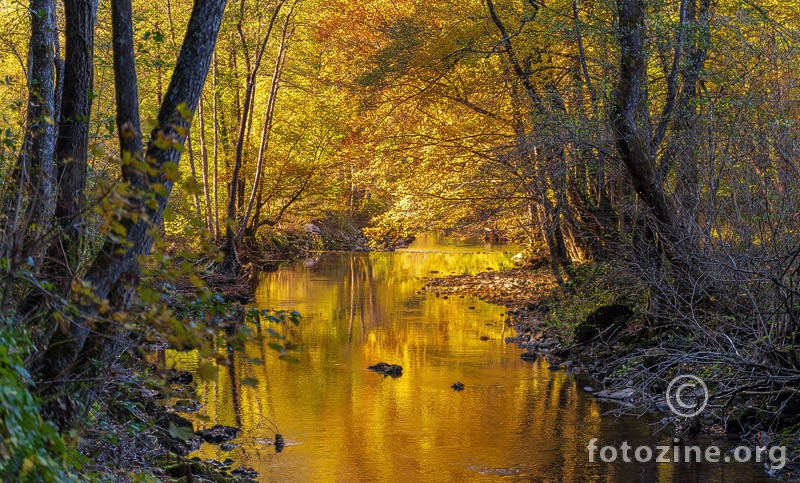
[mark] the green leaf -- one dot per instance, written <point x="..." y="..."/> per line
<point x="159" y="189"/>
<point x="196" y="281"/>
<point x="180" y="432"/>
<point x="149" y="296"/>
<point x="250" y="381"/>
<point x="183" y="110"/>
<point x="207" y="371"/>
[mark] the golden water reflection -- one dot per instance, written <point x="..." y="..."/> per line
<point x="514" y="421"/>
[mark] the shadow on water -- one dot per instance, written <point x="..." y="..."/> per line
<point x="513" y="421"/>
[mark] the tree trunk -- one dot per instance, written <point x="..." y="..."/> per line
<point x="72" y="147"/>
<point x="230" y="263"/>
<point x="193" y="174"/>
<point x="36" y="163"/>
<point x="684" y="141"/>
<point x="631" y="119"/>
<point x="267" y="127"/>
<point x="216" y="150"/>
<point x="204" y="157"/>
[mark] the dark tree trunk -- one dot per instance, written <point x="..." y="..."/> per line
<point x="37" y="158"/>
<point x="73" y="101"/>
<point x="73" y="135"/>
<point x="631" y="118"/>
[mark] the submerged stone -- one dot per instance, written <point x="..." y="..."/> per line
<point x="218" y="434"/>
<point x="387" y="369"/>
<point x="245" y="472"/>
<point x="227" y="446"/>
<point x="179" y="377"/>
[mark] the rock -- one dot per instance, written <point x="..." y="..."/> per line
<point x="245" y="472"/>
<point x="529" y="356"/>
<point x="567" y="364"/>
<point x="387" y="369"/>
<point x="602" y="319"/>
<point x="619" y="395"/>
<point x="179" y="421"/>
<point x="545" y="344"/>
<point x="186" y="406"/>
<point x="311" y="228"/>
<point x="179" y="377"/>
<point x="215" y="463"/>
<point x="459" y="386"/>
<point x="588" y="388"/>
<point x="193" y="443"/>
<point x="218" y="434"/>
<point x="228" y="446"/>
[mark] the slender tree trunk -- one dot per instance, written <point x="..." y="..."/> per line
<point x="216" y="150"/>
<point x="268" y="119"/>
<point x="204" y="157"/>
<point x="230" y="263"/>
<point x="684" y="141"/>
<point x="193" y="174"/>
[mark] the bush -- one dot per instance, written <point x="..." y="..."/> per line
<point x="30" y="448"/>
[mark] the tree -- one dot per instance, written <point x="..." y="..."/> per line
<point x="230" y="263"/>
<point x="148" y="182"/>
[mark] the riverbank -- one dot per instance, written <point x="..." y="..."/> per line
<point x="598" y="325"/>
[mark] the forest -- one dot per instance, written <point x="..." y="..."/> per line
<point x="155" y="158"/>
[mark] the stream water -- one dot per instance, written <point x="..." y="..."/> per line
<point x="514" y="420"/>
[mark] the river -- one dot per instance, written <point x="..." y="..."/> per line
<point x="514" y="420"/>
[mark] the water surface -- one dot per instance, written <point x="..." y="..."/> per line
<point x="514" y="421"/>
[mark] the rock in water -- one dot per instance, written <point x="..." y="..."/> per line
<point x="218" y="434"/>
<point x="245" y="472"/>
<point x="179" y="377"/>
<point x="387" y="369"/>
<point x="459" y="386"/>
<point x="187" y="406"/>
<point x="228" y="446"/>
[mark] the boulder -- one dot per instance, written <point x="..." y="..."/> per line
<point x="602" y="319"/>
